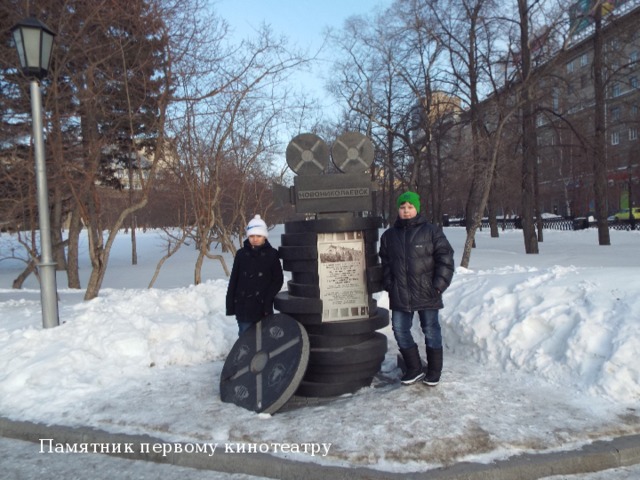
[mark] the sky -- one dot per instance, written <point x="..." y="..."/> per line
<point x="540" y="355"/>
<point x="303" y="23"/>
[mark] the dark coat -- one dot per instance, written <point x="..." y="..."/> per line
<point x="256" y="278"/>
<point x="417" y="264"/>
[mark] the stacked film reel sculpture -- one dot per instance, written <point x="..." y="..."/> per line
<point x="328" y="343"/>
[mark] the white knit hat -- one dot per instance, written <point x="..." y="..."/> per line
<point x="257" y="227"/>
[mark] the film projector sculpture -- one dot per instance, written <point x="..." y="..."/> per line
<point x="324" y="342"/>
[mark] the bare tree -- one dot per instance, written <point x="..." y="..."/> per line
<point x="105" y="90"/>
<point x="365" y="81"/>
<point x="421" y="70"/>
<point x="386" y="79"/>
<point x="529" y="140"/>
<point x="227" y="136"/>
<point x="105" y="69"/>
<point x="463" y="36"/>
<point x="174" y="243"/>
<point x="468" y="37"/>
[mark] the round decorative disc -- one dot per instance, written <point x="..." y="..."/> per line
<point x="307" y="154"/>
<point x="352" y="152"/>
<point x="266" y="364"/>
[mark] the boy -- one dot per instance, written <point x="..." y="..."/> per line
<point x="417" y="265"/>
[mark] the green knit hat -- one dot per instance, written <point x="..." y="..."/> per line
<point x="411" y="197"/>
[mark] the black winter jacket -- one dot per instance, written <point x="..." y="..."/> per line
<point x="417" y="264"/>
<point x="256" y="278"/>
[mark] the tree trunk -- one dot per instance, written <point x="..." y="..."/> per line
<point x="95" y="281"/>
<point x="172" y="248"/>
<point x="29" y="269"/>
<point x="101" y="250"/>
<point x="599" y="155"/>
<point x="432" y="207"/>
<point x="73" y="271"/>
<point x="132" y="219"/>
<point x="392" y="209"/>
<point x="485" y="184"/>
<point x="528" y="136"/>
<point x="491" y="212"/>
<point x="197" y="272"/>
<point x="437" y="210"/>
<point x="134" y="248"/>
<point x="536" y="201"/>
<point x="56" y="146"/>
<point x="528" y="157"/>
<point x="222" y="261"/>
<point x="56" y="230"/>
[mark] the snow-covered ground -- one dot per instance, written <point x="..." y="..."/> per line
<point x="541" y="355"/>
<point x="21" y="460"/>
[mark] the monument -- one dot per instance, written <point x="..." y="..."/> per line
<point x="335" y="269"/>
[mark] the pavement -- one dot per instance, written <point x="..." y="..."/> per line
<point x="597" y="456"/>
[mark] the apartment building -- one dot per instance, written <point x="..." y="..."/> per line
<point x="565" y="121"/>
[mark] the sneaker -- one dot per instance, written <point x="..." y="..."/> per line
<point x="410" y="378"/>
<point x="431" y="381"/>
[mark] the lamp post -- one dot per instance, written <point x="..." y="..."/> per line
<point x="34" y="42"/>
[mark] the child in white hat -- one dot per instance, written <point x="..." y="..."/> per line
<point x="256" y="277"/>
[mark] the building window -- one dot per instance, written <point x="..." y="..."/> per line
<point x="570" y="67"/>
<point x="584" y="59"/>
<point x="633" y="56"/>
<point x="634" y="111"/>
<point x="615" y="114"/>
<point x="615" y="138"/>
<point x="633" y="133"/>
<point x="615" y="90"/>
<point x="633" y="81"/>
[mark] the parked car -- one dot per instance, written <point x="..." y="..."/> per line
<point x="624" y="214"/>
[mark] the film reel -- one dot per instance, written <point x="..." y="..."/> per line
<point x="352" y="152"/>
<point x="307" y="154"/>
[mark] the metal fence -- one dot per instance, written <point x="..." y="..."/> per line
<point x="580" y="223"/>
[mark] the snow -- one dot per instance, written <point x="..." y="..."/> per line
<point x="539" y="356"/>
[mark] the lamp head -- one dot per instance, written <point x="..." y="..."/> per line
<point x="34" y="43"/>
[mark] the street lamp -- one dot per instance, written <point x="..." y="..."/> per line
<point x="34" y="42"/>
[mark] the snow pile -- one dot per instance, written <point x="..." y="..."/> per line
<point x="570" y="326"/>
